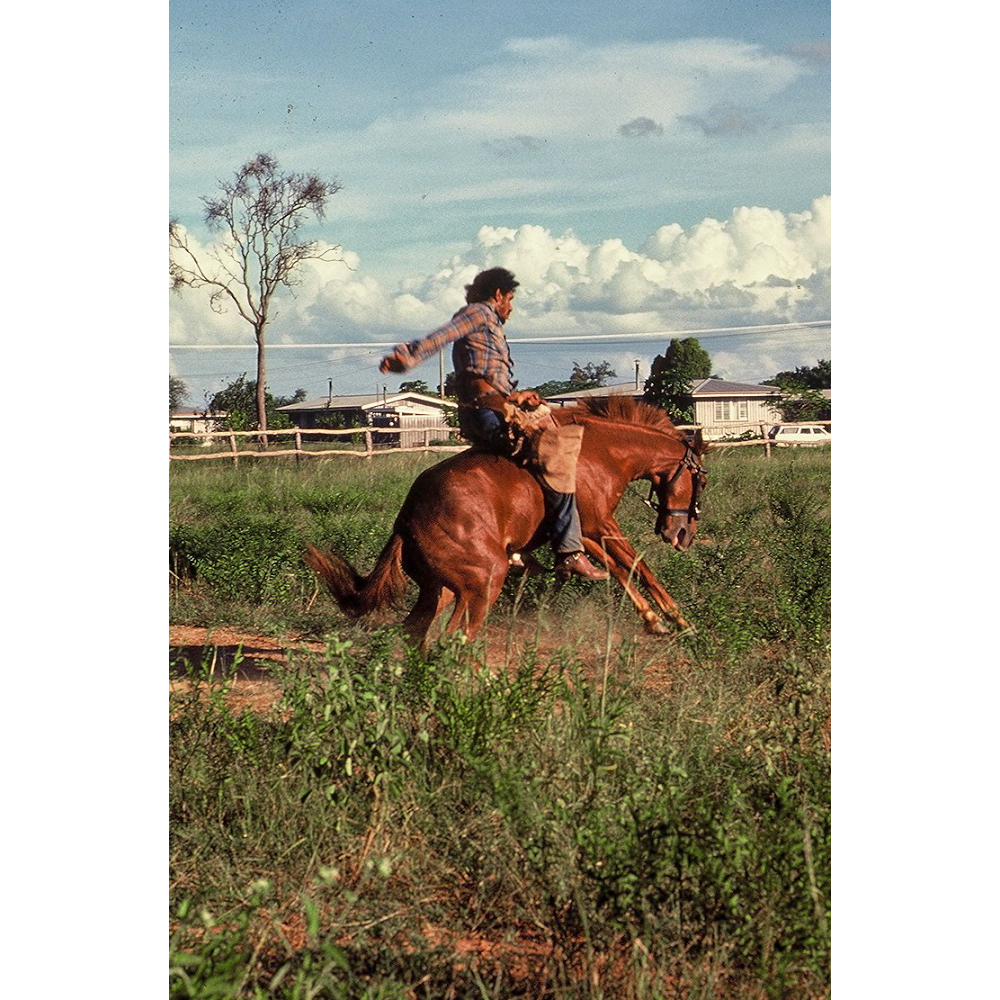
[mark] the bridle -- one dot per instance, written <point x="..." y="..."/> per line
<point x="688" y="461"/>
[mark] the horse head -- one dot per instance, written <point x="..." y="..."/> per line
<point x="674" y="493"/>
<point x="647" y="443"/>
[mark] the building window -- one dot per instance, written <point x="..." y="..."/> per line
<point x="731" y="410"/>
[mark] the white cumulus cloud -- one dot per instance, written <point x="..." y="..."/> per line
<point x="758" y="266"/>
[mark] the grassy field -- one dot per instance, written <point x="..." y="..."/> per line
<point x="599" y="814"/>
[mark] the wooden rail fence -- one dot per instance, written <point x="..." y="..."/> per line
<point x="768" y="443"/>
<point x="295" y="437"/>
<point x="235" y="453"/>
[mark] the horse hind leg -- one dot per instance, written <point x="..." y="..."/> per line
<point x="474" y="599"/>
<point x="431" y="601"/>
<point x="523" y="563"/>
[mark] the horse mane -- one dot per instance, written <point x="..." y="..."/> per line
<point x="627" y="410"/>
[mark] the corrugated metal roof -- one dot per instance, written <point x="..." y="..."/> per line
<point x="722" y="387"/>
<point x="366" y="402"/>
<point x="621" y="389"/>
<point x="703" y="387"/>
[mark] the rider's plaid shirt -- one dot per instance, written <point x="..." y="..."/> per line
<point x="480" y="345"/>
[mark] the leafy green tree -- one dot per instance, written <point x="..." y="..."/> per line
<point x="239" y="402"/>
<point x="339" y="420"/>
<point x="449" y="386"/>
<point x="258" y="215"/>
<point x="588" y="376"/>
<point x="672" y="375"/>
<point x="819" y="376"/>
<point x="415" y="385"/>
<point x="178" y="393"/>
<point x="554" y="387"/>
<point x="801" y="392"/>
<point x="591" y="376"/>
<point x="804" y="404"/>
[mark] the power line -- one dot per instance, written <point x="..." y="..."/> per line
<point x="797" y="330"/>
<point x="721" y="331"/>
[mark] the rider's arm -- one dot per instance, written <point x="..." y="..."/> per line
<point x="406" y="356"/>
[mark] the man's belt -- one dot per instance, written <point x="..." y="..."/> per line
<point x="476" y="392"/>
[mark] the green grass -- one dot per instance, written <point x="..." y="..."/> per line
<point x="758" y="573"/>
<point x="608" y="837"/>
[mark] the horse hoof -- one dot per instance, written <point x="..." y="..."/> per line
<point x="656" y="627"/>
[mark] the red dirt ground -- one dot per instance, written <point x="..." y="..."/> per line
<point x="254" y="686"/>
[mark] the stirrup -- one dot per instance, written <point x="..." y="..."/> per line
<point x="525" y="563"/>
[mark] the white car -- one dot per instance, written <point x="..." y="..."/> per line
<point x="795" y="434"/>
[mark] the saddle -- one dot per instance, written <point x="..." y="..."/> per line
<point x="549" y="451"/>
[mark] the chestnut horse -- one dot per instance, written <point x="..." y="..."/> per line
<point x="465" y="517"/>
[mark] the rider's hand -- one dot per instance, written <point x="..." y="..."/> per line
<point x="393" y="363"/>
<point x="526" y="399"/>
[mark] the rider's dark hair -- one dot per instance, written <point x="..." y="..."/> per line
<point x="484" y="284"/>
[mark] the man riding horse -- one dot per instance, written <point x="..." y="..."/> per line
<point x="492" y="414"/>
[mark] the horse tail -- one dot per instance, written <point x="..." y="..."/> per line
<point x="358" y="595"/>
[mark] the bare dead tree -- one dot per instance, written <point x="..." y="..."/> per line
<point x="257" y="216"/>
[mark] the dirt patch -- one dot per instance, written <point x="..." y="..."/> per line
<point x="255" y="656"/>
<point x="253" y="683"/>
<point x="260" y="649"/>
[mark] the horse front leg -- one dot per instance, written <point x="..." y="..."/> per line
<point x="626" y="565"/>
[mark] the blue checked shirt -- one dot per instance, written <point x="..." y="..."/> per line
<point x="480" y="346"/>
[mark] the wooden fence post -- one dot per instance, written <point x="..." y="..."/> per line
<point x="767" y="441"/>
<point x="369" y="446"/>
<point x="233" y="448"/>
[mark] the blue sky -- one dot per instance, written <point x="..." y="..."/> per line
<point x="644" y="168"/>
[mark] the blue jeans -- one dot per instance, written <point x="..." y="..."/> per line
<point x="486" y="427"/>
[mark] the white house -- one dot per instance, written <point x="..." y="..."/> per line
<point x="411" y="412"/>
<point x="726" y="409"/>
<point x="721" y="408"/>
<point x="186" y="418"/>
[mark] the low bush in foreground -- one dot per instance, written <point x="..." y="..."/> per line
<point x="409" y="825"/>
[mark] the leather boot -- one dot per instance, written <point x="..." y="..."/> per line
<point x="577" y="563"/>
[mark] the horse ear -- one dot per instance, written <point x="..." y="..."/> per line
<point x="699" y="441"/>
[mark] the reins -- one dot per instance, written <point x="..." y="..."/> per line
<point x="690" y="462"/>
